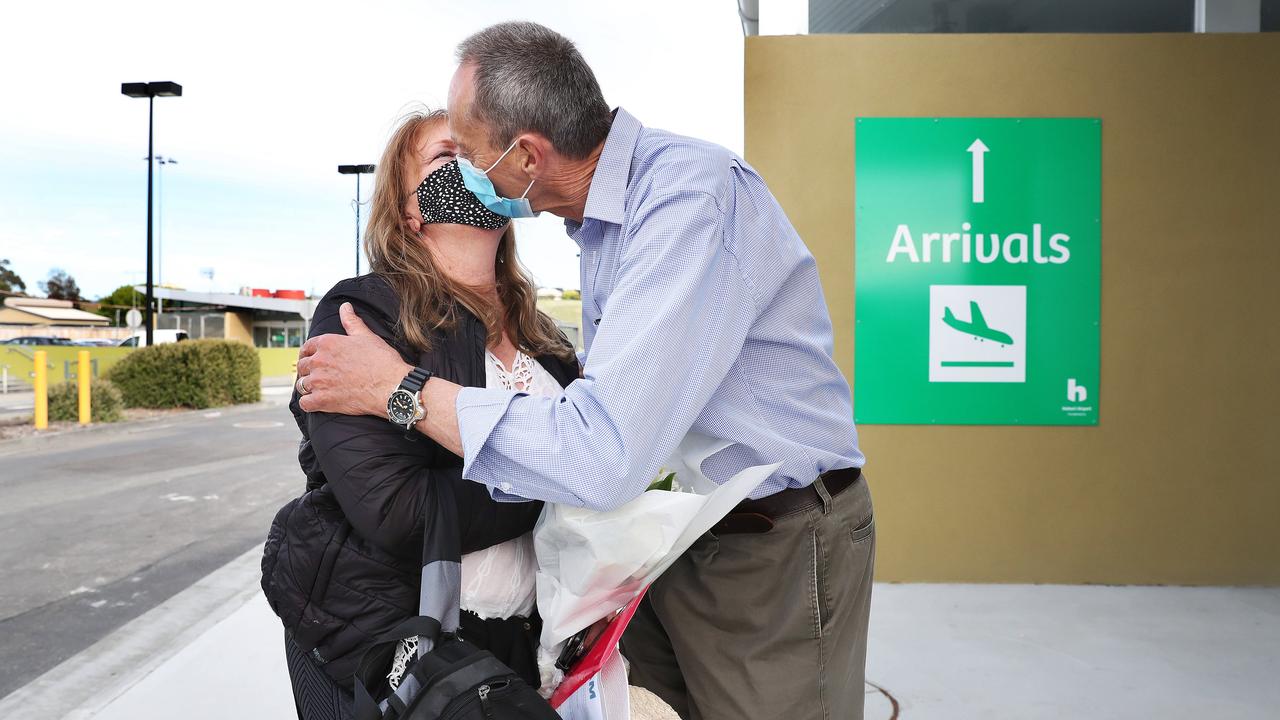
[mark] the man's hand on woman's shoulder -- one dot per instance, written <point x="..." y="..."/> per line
<point x="350" y="374"/>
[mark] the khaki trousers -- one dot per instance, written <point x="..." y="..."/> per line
<point x="769" y="625"/>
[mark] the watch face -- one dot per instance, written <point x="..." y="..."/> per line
<point x="401" y="407"/>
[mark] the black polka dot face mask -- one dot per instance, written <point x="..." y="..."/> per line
<point x="443" y="198"/>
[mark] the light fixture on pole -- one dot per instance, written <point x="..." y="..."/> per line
<point x="150" y="91"/>
<point x="357" y="170"/>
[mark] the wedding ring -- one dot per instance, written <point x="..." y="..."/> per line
<point x="300" y="386"/>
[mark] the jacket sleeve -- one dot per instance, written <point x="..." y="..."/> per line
<point x="381" y="478"/>
<point x="306" y="454"/>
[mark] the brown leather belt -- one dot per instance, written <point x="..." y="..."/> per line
<point x="759" y="516"/>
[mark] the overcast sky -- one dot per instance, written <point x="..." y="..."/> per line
<point x="276" y="95"/>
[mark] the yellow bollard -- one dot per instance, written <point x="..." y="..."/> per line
<point x="42" y="390"/>
<point x="83" y="375"/>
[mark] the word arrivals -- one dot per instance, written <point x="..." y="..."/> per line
<point x="986" y="248"/>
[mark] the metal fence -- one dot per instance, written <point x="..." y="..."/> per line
<point x="197" y="325"/>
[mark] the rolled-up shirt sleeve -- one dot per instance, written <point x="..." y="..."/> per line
<point x="673" y="328"/>
<point x="479" y="412"/>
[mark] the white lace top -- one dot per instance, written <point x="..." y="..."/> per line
<point x="497" y="582"/>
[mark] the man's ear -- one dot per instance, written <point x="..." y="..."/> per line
<point x="537" y="150"/>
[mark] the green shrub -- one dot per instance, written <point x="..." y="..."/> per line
<point x="194" y="374"/>
<point x="105" y="402"/>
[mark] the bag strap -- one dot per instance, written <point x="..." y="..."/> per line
<point x="364" y="707"/>
<point x="439" y="600"/>
<point x="440" y="597"/>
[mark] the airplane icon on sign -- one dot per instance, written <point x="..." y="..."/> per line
<point x="977" y="325"/>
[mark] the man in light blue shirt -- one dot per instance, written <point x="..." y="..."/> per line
<point x="702" y="311"/>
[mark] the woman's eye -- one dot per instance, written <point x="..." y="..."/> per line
<point x="446" y="153"/>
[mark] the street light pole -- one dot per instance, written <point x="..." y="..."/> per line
<point x="356" y="170"/>
<point x="150" y="90"/>
<point x="151" y="127"/>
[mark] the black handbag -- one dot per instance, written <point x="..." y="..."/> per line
<point x="450" y="679"/>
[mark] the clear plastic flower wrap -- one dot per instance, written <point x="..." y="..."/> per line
<point x="592" y="563"/>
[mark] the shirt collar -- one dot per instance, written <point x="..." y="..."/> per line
<point x="606" y="198"/>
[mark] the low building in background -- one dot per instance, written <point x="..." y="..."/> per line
<point x="260" y="317"/>
<point x="28" y="312"/>
<point x="26" y="317"/>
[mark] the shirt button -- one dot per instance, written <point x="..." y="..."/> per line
<point x="506" y="487"/>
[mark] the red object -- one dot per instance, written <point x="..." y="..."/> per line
<point x="261" y="292"/>
<point x="591" y="663"/>
<point x="291" y="294"/>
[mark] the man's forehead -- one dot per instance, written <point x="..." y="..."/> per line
<point x="460" y="91"/>
<point x="460" y="96"/>
<point x="461" y="84"/>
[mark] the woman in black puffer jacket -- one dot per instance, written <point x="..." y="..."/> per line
<point x="342" y="562"/>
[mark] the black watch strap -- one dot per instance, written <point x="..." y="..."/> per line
<point x="416" y="378"/>
<point x="414" y="382"/>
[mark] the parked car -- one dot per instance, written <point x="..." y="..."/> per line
<point x="162" y="337"/>
<point x="96" y="342"/>
<point x="38" y="340"/>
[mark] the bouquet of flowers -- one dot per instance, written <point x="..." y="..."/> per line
<point x="591" y="564"/>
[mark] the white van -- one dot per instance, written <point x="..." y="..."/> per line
<point x="162" y="337"/>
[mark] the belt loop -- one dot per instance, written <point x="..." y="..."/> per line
<point x="821" y="487"/>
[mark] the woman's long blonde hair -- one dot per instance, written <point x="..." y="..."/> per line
<point x="428" y="297"/>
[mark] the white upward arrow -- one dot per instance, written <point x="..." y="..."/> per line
<point x="979" y="151"/>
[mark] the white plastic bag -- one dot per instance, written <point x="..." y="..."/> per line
<point x="604" y="697"/>
<point x="592" y="563"/>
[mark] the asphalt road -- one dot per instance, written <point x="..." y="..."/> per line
<point x="97" y="527"/>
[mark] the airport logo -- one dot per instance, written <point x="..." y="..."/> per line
<point x="1077" y="397"/>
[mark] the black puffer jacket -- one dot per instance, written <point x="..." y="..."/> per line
<point x="341" y="564"/>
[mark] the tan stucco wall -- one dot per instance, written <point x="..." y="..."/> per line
<point x="1178" y="483"/>
<point x="239" y="326"/>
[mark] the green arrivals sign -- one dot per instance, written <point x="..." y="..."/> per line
<point x="978" y="248"/>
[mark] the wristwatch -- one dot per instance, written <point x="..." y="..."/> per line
<point x="403" y="407"/>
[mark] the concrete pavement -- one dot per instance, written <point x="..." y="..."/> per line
<point x="960" y="652"/>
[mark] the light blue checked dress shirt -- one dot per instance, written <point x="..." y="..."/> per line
<point x="702" y="311"/>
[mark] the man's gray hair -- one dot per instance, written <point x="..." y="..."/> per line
<point x="530" y="78"/>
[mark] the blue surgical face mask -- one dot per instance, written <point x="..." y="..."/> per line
<point x="478" y="182"/>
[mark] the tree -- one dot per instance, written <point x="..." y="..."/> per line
<point x="572" y="295"/>
<point x="60" y="286"/>
<point x="9" y="280"/>
<point x="122" y="297"/>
